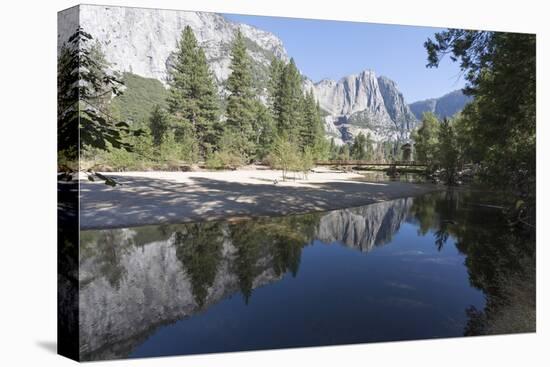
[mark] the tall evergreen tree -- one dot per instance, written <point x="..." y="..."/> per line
<point x="274" y="85"/>
<point x="311" y="128"/>
<point x="359" y="147"/>
<point x="193" y="99"/>
<point x="290" y="98"/>
<point x="264" y="130"/>
<point x="241" y="99"/>
<point x="447" y="150"/>
<point x="83" y="87"/>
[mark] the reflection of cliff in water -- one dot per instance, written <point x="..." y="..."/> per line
<point x="135" y="280"/>
<point x="364" y="227"/>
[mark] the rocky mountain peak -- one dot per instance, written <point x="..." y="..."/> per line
<point x="363" y="103"/>
<point x="396" y="106"/>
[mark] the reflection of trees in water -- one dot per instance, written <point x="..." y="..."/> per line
<point x="199" y="248"/>
<point x="280" y="239"/>
<point x="107" y="250"/>
<point x="500" y="258"/>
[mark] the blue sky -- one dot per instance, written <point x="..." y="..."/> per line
<point x="333" y="49"/>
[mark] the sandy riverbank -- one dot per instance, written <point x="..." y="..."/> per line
<point x="176" y="197"/>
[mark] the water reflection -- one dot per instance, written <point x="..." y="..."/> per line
<point x="500" y="257"/>
<point x="133" y="281"/>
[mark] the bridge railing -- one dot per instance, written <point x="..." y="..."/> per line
<point x="352" y="162"/>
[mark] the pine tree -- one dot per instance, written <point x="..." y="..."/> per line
<point x="241" y="100"/>
<point x="311" y="128"/>
<point x="264" y="130"/>
<point x="274" y="86"/>
<point x="84" y="87"/>
<point x="290" y="98"/>
<point x="193" y="100"/>
<point x="158" y="124"/>
<point x="447" y="150"/>
<point x="358" y="148"/>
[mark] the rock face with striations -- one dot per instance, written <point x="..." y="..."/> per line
<point x="363" y="103"/>
<point x="396" y="106"/>
<point x="142" y="41"/>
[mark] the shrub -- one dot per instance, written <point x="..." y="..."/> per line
<point x="285" y="156"/>
<point x="224" y="159"/>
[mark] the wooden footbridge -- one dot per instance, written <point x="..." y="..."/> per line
<point x="365" y="164"/>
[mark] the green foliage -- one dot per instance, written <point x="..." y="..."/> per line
<point x="276" y="69"/>
<point x="158" y="125"/>
<point x="425" y="139"/>
<point x="333" y="150"/>
<point x="147" y="155"/>
<point x="264" y="130"/>
<point x="285" y="156"/>
<point x="140" y="97"/>
<point x="184" y="126"/>
<point x="223" y="159"/>
<point x="311" y="131"/>
<point x="501" y="73"/>
<point x="321" y="149"/>
<point x="447" y="150"/>
<point x="501" y="263"/>
<point x="116" y="159"/>
<point x="289" y="100"/>
<point x="307" y="161"/>
<point x="184" y="148"/>
<point x="199" y="248"/>
<point x="344" y="153"/>
<point x="84" y="89"/>
<point x="193" y="100"/>
<point x="294" y="113"/>
<point x="241" y="102"/>
<point x="280" y="239"/>
<point x="229" y="155"/>
<point x="439" y="144"/>
<point x="362" y="147"/>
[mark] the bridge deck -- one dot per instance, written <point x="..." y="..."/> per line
<point x="367" y="163"/>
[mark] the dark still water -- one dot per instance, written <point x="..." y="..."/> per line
<point x="397" y="270"/>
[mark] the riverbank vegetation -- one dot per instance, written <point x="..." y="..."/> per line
<point x="496" y="134"/>
<point x="496" y="131"/>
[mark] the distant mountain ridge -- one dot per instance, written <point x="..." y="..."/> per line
<point x="445" y="106"/>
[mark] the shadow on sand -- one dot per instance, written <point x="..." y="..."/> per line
<point x="141" y="201"/>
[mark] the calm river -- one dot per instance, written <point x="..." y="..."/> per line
<point x="398" y="270"/>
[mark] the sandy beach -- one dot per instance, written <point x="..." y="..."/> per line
<point x="176" y="197"/>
